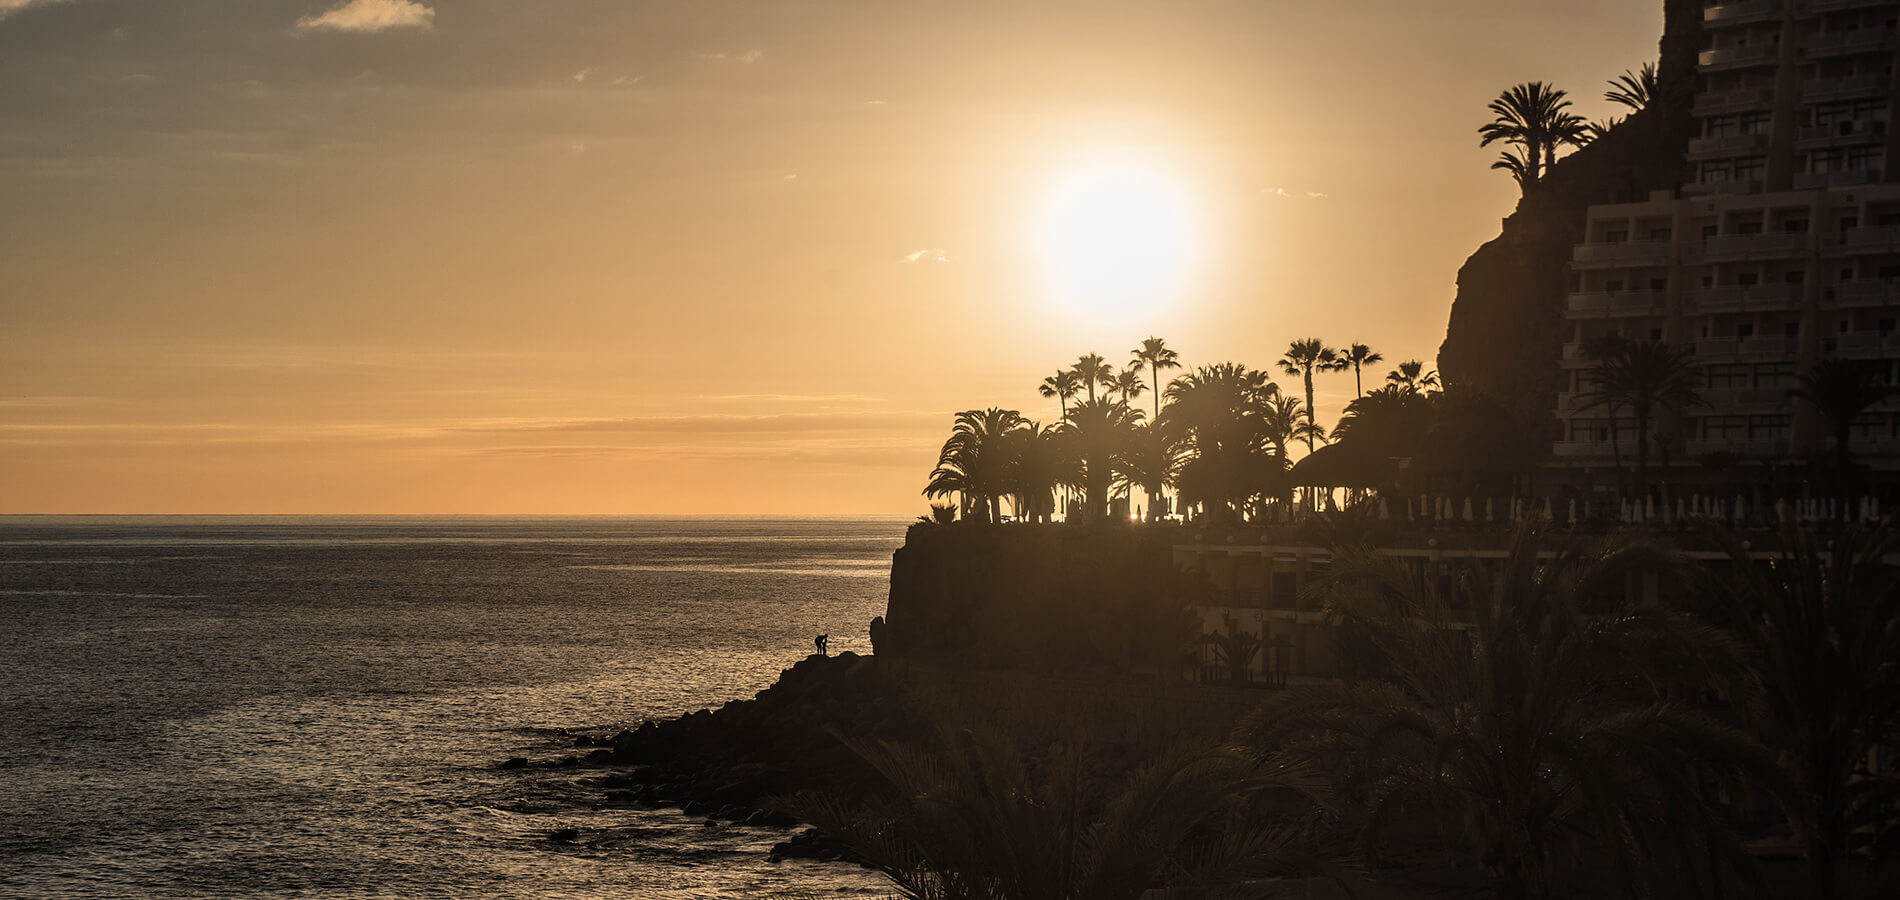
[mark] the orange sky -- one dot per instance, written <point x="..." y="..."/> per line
<point x="579" y="256"/>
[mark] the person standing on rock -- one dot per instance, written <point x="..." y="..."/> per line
<point x="820" y="642"/>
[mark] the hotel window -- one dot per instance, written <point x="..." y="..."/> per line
<point x="1795" y="225"/>
<point x="1613" y="285"/>
<point x="1773" y="376"/>
<point x="1720" y="126"/>
<point x="1869" y="427"/>
<point x="1725" y="428"/>
<point x="1616" y="236"/>
<point x="1708" y="231"/>
<point x="1793" y="276"/>
<point x="1863" y="158"/>
<point x="1659" y="234"/>
<point x="1849" y="223"/>
<point x="1747" y="279"/>
<point x="1769" y="428"/>
<point x="1747" y="227"/>
<point x="1747" y="169"/>
<point x="1728" y="377"/>
<point x="1754" y="123"/>
<point x="1659" y="284"/>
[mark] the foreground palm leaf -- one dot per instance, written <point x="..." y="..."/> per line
<point x="975" y="819"/>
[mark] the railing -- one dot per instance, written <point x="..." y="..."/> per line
<point x="1767" y="245"/>
<point x="1620" y="251"/>
<point x="1717" y="300"/>
<point x="1731" y="100"/>
<point x="1862" y="240"/>
<point x="1865" y="40"/>
<point x="1843" y="178"/>
<point x="1831" y="5"/>
<point x="1728" y="145"/>
<point x="1846" y="130"/>
<point x="1836" y="87"/>
<point x="1620" y="303"/>
<point x="1857" y="294"/>
<point x="1585" y="449"/>
<point x="1753" y="54"/>
<point x="1722" y="188"/>
<point x="1767" y="345"/>
<point x="1729" y="13"/>
<point x="1770" y="296"/>
<point x="1742" y="401"/>
<point x="1747" y="449"/>
<point x="1718" y="347"/>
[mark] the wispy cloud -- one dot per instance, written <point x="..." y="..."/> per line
<point x="745" y="56"/>
<point x="716" y="423"/>
<point x="928" y="254"/>
<point x="581" y="76"/>
<point x="368" y="16"/>
<point x="1292" y="194"/>
<point x="9" y="7"/>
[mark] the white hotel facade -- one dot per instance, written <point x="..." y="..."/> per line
<point x="1784" y="250"/>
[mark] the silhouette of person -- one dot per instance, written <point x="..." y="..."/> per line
<point x="820" y="642"/>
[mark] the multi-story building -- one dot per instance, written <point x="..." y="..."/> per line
<point x="1784" y="250"/>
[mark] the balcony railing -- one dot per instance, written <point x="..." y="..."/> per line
<point x="1620" y="252"/>
<point x="1620" y="303"/>
<point x="1768" y="345"/>
<point x="1586" y="449"/>
<point x="1770" y="296"/>
<point x="1717" y="300"/>
<point x="1862" y="240"/>
<point x="1853" y="131"/>
<point x="1718" y="347"/>
<point x="1768" y="245"/>
<point x="1745" y="448"/>
<point x="1842" y="43"/>
<point x="1729" y="101"/>
<point x="1860" y="294"/>
<point x="1728" y="145"/>
<point x="1741" y="401"/>
<point x="1729" y="13"/>
<point x="1831" y="88"/>
<point x="1718" y="188"/>
<point x="1832" y="5"/>
<point x="1724" y="57"/>
<point x="1842" y="178"/>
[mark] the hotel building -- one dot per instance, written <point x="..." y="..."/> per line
<point x="1784" y="250"/>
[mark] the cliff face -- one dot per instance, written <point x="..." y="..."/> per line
<point x="1505" y="334"/>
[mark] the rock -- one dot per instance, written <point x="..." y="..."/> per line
<point x="515" y="762"/>
<point x="564" y="835"/>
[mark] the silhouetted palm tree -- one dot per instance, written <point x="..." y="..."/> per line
<point x="977" y="461"/>
<point x="1097" y="433"/>
<point x="1061" y="386"/>
<point x="1092" y="370"/>
<point x="1155" y="354"/>
<point x="1646" y="377"/>
<point x="1302" y="358"/>
<point x="973" y="819"/>
<point x="1633" y="89"/>
<point x="1149" y="461"/>
<point x="1524" y="701"/>
<point x="1282" y="419"/>
<point x="1357" y="355"/>
<point x="1827" y="660"/>
<point x="1390" y="420"/>
<point x="1841" y="390"/>
<point x="1531" y="116"/>
<point x="1040" y="467"/>
<point x="1411" y="377"/>
<point x="1128" y="384"/>
<point x="1214" y="415"/>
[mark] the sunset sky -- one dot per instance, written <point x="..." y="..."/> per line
<point x="585" y="256"/>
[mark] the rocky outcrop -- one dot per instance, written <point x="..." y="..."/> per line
<point x="1505" y="334"/>
<point x="725" y="763"/>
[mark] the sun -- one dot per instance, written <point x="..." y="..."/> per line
<point x="1117" y="237"/>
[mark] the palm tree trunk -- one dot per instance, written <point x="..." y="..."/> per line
<point x="1642" y="452"/>
<point x="1616" y="452"/>
<point x="1311" y="419"/>
<point x="1357" y="387"/>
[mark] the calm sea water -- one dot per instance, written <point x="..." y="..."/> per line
<point x="314" y="707"/>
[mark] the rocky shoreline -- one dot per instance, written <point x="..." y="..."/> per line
<point x="728" y="764"/>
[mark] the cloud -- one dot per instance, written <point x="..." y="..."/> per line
<point x="369" y="16"/>
<point x="9" y="7"/>
<point x="928" y="254"/>
<point x="1293" y="195"/>
<point x="716" y="423"/>
<point x="748" y="56"/>
<point x="582" y="74"/>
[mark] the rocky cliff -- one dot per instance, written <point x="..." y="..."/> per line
<point x="1505" y="335"/>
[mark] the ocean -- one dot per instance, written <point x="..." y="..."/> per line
<point x="316" y="707"/>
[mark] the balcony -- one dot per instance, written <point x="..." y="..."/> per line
<point x="1844" y="43"/>
<point x="1855" y="131"/>
<point x="1721" y="188"/>
<point x="1716" y="300"/>
<point x="1864" y="294"/>
<point x="1718" y="347"/>
<point x="1738" y="13"/>
<point x="1733" y="101"/>
<point x="1855" y="345"/>
<point x="1862" y="241"/>
<point x="1841" y="88"/>
<point x="1768" y="345"/>
<point x="1745" y="448"/>
<point x="1654" y="253"/>
<point x="1737" y="57"/>
<point x="1728" y="145"/>
<point x="1770" y="297"/>
<point x="1770" y="245"/>
<point x="1837" y="5"/>
<point x="1620" y="303"/>
<point x="1571" y="402"/>
<point x="1842" y="178"/>
<point x="1585" y="449"/>
<point x="1742" y="401"/>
